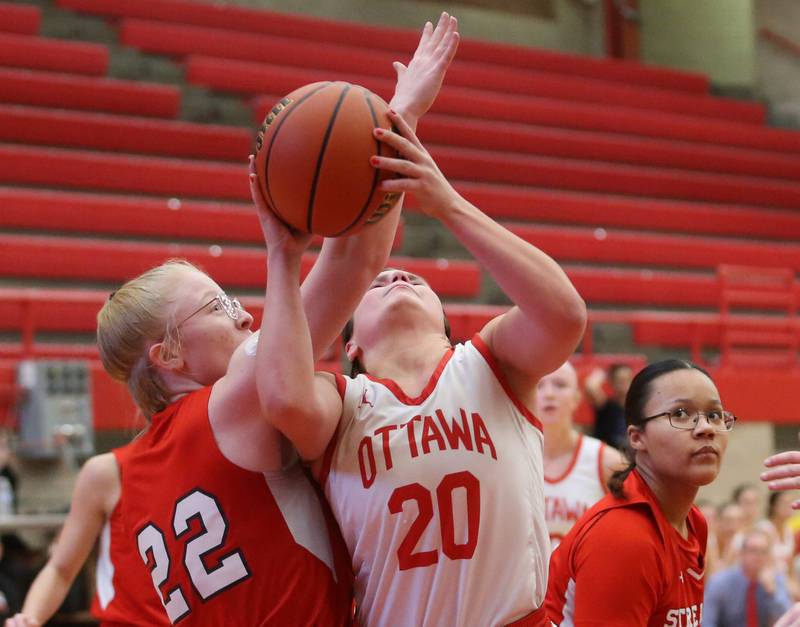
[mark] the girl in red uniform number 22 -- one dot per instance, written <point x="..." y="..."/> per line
<point x="431" y="459"/>
<point x="209" y="506"/>
<point x="637" y="556"/>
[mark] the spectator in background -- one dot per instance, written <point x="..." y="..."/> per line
<point x="779" y="511"/>
<point x="8" y="473"/>
<point x="753" y="593"/>
<point x="749" y="498"/>
<point x="609" y="409"/>
<point x="729" y="526"/>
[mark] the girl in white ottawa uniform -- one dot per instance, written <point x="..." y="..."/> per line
<point x="431" y="459"/>
<point x="576" y="466"/>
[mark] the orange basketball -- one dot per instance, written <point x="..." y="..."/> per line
<point x="312" y="158"/>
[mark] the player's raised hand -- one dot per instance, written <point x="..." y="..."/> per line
<point x="783" y="473"/>
<point x="416" y="170"/>
<point x="418" y="83"/>
<point x="276" y="233"/>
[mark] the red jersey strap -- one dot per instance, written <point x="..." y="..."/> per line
<point x="537" y="618"/>
<point x="483" y="349"/>
<point x="601" y="467"/>
<point x="327" y="457"/>
<point x="426" y="391"/>
<point x="571" y="466"/>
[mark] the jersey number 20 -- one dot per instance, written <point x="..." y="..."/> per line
<point x="444" y="499"/>
<point x="229" y="570"/>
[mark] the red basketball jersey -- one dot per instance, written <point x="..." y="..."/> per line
<point x="623" y="564"/>
<point x="224" y="545"/>
<point x="125" y="595"/>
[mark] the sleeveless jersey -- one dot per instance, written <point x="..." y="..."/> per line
<point x="623" y="564"/>
<point x="124" y="592"/>
<point x="224" y="545"/>
<point x="566" y="498"/>
<point x="439" y="497"/>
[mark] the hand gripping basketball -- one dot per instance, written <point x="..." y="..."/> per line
<point x="416" y="170"/>
<point x="312" y="159"/>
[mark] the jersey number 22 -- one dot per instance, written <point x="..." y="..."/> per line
<point x="230" y="568"/>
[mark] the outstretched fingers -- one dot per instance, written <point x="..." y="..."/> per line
<point x="441" y="30"/>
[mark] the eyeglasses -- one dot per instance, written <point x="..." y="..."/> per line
<point x="230" y="306"/>
<point x="679" y="418"/>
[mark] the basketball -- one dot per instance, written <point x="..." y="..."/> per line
<point x="313" y="158"/>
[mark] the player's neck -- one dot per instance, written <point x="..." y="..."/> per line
<point x="179" y="384"/>
<point x="409" y="362"/>
<point x="559" y="439"/>
<point x="674" y="497"/>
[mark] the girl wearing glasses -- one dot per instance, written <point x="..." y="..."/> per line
<point x="638" y="556"/>
<point x="431" y="458"/>
<point x="215" y="509"/>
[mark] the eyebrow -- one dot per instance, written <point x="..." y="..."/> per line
<point x="691" y="400"/>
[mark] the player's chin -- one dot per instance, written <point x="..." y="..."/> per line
<point x="703" y="472"/>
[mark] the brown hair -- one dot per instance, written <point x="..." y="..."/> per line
<point x="132" y="318"/>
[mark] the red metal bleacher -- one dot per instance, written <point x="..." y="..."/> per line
<point x="34" y="125"/>
<point x="355" y="64"/>
<point x="262" y="22"/>
<point x="605" y="146"/>
<point x="79" y="259"/>
<point x="249" y="78"/>
<point x="657" y="250"/>
<point x="102" y="260"/>
<point x="70" y="91"/>
<point x="206" y="179"/>
<point x="57" y="211"/>
<point x="750" y="288"/>
<point x="573" y="115"/>
<point x="558" y="207"/>
<point x="24" y="19"/>
<point x="55" y="55"/>
<point x="593" y="176"/>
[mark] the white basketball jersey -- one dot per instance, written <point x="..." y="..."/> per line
<point x="440" y="498"/>
<point x="567" y="497"/>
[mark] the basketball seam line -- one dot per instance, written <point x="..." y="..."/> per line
<point x="269" y="198"/>
<point x="325" y="139"/>
<point x="366" y="93"/>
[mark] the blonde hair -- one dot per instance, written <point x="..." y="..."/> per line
<point x="132" y="318"/>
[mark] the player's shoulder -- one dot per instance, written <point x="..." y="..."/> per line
<point x="100" y="468"/>
<point x="629" y="529"/>
<point x="99" y="481"/>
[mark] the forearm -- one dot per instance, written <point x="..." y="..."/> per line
<point x="47" y="593"/>
<point x="284" y="336"/>
<point x="530" y="278"/>
<point x="345" y="268"/>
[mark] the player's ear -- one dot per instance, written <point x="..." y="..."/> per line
<point x="162" y="357"/>
<point x="352" y="350"/>
<point x="636" y="438"/>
